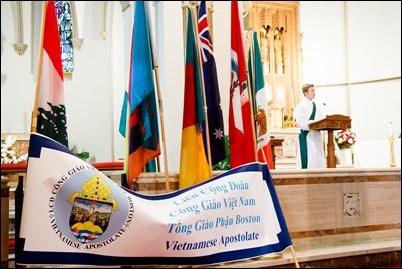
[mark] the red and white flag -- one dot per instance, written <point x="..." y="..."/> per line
<point x="242" y="146"/>
<point x="51" y="120"/>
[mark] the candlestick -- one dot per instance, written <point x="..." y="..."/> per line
<point x="391" y="152"/>
<point x="391" y="133"/>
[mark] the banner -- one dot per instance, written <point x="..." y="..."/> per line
<point x="74" y="214"/>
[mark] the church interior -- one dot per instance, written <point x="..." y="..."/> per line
<point x="347" y="214"/>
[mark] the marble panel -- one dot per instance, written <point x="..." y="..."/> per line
<point x="352" y="201"/>
<point x="308" y="207"/>
<point x="383" y="202"/>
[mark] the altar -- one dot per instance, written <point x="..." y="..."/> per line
<point x="286" y="153"/>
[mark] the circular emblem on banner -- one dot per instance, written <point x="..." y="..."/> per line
<point x="90" y="207"/>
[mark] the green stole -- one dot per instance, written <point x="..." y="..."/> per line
<point x="303" y="141"/>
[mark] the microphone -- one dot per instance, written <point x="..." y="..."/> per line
<point x="328" y="109"/>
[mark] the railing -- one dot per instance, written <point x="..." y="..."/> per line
<point x="22" y="167"/>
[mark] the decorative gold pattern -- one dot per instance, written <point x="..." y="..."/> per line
<point x="20" y="48"/>
<point x="279" y="38"/>
<point x="97" y="190"/>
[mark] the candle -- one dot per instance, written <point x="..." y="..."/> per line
<point x="292" y="98"/>
<point x="390" y="128"/>
<point x="282" y="96"/>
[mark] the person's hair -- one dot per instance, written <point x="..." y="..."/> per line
<point x="306" y="87"/>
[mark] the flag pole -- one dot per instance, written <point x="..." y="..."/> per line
<point x="162" y="122"/>
<point x="200" y="70"/>
<point x="294" y="256"/>
<point x="34" y="115"/>
<point x="161" y="116"/>
<point x="184" y="6"/>
<point x="253" y="89"/>
<point x="251" y="98"/>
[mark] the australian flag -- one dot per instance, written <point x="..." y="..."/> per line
<point x="215" y="118"/>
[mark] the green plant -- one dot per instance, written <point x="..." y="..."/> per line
<point x="225" y="163"/>
<point x="83" y="154"/>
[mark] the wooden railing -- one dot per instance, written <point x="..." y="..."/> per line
<point x="22" y="167"/>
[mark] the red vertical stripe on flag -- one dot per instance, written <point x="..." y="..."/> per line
<point x="52" y="120"/>
<point x="194" y="166"/>
<point x="242" y="148"/>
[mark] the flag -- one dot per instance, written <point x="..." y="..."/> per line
<point x="259" y="103"/>
<point x="231" y="217"/>
<point x="194" y="166"/>
<point x="242" y="148"/>
<point x="142" y="132"/>
<point x="211" y="86"/>
<point x="51" y="120"/>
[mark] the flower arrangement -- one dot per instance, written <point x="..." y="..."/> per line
<point x="345" y="138"/>
<point x="10" y="152"/>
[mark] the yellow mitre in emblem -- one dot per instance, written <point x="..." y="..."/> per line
<point x="95" y="189"/>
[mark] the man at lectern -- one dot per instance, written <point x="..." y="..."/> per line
<point x="310" y="153"/>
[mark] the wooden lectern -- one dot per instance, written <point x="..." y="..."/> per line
<point x="331" y="123"/>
